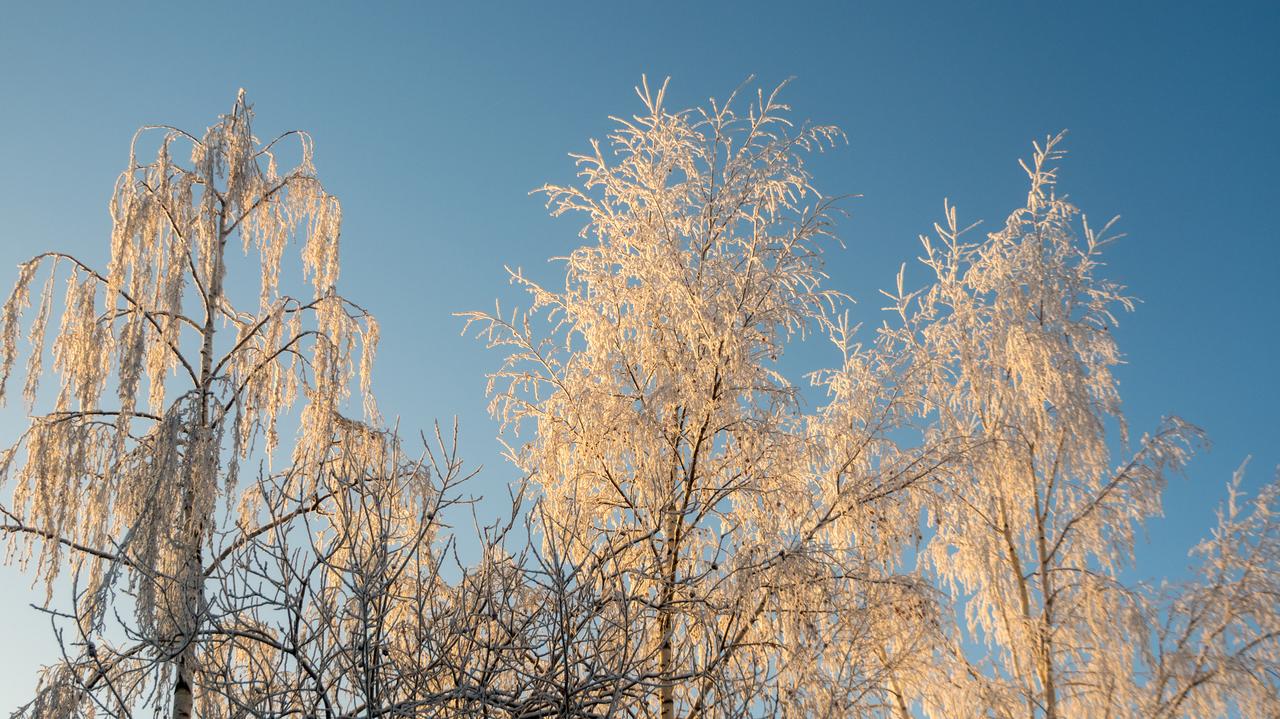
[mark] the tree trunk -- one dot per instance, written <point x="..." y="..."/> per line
<point x="192" y="580"/>
<point x="899" y="699"/>
<point x="182" y="696"/>
<point x="666" y="623"/>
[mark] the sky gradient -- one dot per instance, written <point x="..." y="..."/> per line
<point x="434" y="122"/>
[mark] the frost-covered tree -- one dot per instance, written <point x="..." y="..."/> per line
<point x="1212" y="644"/>
<point x="167" y="380"/>
<point x="1033" y="524"/>
<point x="665" y="438"/>
<point x="944" y="535"/>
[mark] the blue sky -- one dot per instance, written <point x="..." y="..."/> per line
<point x="433" y="123"/>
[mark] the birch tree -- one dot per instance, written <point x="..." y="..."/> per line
<point x="166" y="382"/>
<point x="1213" y="647"/>
<point x="1033" y="525"/>
<point x="663" y="434"/>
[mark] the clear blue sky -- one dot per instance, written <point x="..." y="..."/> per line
<point x="433" y="122"/>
